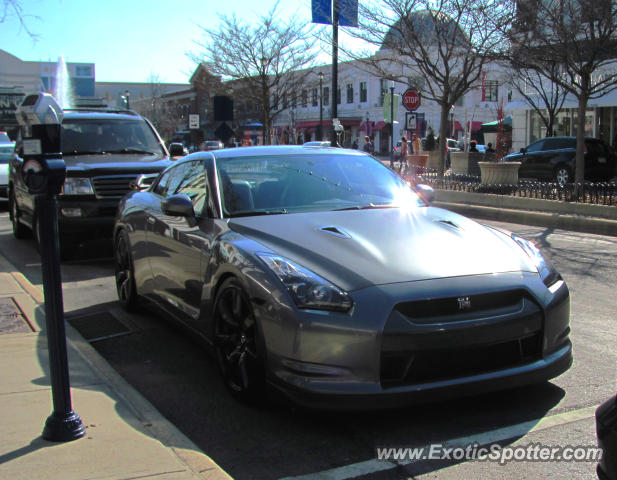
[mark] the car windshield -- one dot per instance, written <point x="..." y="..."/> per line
<point x="262" y="185"/>
<point x="93" y="136"/>
<point x="5" y="153"/>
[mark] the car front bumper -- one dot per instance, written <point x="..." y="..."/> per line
<point x="424" y="348"/>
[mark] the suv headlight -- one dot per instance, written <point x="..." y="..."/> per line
<point x="545" y="268"/>
<point x="307" y="289"/>
<point x="77" y="186"/>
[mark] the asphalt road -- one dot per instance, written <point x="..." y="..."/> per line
<point x="277" y="441"/>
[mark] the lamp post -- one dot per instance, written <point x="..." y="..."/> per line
<point x="452" y="121"/>
<point x="320" y="106"/>
<point x="264" y="98"/>
<point x="392" y="124"/>
<point x="127" y="94"/>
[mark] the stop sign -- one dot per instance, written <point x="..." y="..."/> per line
<point x="411" y="99"/>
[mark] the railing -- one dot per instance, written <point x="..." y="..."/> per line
<point x="601" y="193"/>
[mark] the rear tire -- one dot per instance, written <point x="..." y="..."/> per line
<point x="20" y="231"/>
<point x="562" y="175"/>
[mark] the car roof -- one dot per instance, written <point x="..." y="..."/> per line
<point x="94" y="114"/>
<point x="272" y="150"/>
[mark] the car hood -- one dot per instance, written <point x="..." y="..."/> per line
<point x="116" y="162"/>
<point x="359" y="248"/>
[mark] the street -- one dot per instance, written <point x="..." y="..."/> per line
<point x="276" y="441"/>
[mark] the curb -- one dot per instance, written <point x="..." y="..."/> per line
<point x="152" y="422"/>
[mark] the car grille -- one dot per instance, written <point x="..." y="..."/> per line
<point x="419" y="367"/>
<point x="112" y="185"/>
<point x="502" y="329"/>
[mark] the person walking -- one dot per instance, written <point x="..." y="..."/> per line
<point x="368" y="145"/>
<point x="404" y="152"/>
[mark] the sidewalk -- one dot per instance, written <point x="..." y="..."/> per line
<point x="126" y="436"/>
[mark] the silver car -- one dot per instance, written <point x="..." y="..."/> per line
<point x="6" y="151"/>
<point x="321" y="273"/>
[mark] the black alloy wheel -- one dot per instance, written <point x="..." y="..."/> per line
<point x="125" y="274"/>
<point x="235" y="341"/>
<point x="20" y="231"/>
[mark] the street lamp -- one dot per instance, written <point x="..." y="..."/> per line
<point x="320" y="105"/>
<point x="126" y="97"/>
<point x="265" y="100"/>
<point x="452" y="121"/>
<point x="392" y="124"/>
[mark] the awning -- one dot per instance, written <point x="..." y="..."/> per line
<point x="379" y="125"/>
<point x="308" y="124"/>
<point x="349" y="122"/>
<point x="457" y="126"/>
<point x="475" y="126"/>
<point x="492" y="127"/>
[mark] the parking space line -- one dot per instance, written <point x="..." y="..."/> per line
<point x="492" y="436"/>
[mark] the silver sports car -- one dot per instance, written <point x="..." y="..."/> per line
<point x="322" y="273"/>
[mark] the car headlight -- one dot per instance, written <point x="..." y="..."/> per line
<point x="545" y="268"/>
<point x="77" y="186"/>
<point x="307" y="289"/>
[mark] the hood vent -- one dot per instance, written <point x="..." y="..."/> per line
<point x="337" y="232"/>
<point x="449" y="223"/>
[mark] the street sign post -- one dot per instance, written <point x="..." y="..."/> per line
<point x="411" y="99"/>
<point x="193" y="121"/>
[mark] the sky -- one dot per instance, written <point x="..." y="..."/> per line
<point x="128" y="40"/>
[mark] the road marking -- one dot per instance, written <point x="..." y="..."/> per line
<point x="493" y="436"/>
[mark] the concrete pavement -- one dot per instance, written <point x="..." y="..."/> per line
<point x="126" y="436"/>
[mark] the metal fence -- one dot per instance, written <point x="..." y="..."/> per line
<point x="601" y="193"/>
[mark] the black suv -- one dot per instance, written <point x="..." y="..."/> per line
<point x="107" y="153"/>
<point x="554" y="158"/>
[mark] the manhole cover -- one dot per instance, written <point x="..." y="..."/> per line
<point x="99" y="326"/>
<point x="11" y="318"/>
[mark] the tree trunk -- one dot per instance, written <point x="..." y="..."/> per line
<point x="443" y="135"/>
<point x="580" y="140"/>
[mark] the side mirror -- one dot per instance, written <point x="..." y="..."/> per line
<point x="178" y="205"/>
<point x="426" y="193"/>
<point x="176" y="149"/>
<point x="523" y="150"/>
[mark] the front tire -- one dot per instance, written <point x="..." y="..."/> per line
<point x="20" y="231"/>
<point x="235" y="341"/>
<point x="125" y="273"/>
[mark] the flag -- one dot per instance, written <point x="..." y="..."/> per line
<point x="347" y="12"/>
<point x="386" y="107"/>
<point x="322" y="11"/>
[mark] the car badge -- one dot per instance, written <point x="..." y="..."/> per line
<point x="464" y="303"/>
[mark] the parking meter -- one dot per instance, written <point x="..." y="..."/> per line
<point x="43" y="169"/>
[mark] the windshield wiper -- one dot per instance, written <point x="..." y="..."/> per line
<point x="254" y="213"/>
<point x="370" y="206"/>
<point x="131" y="150"/>
<point x="83" y="152"/>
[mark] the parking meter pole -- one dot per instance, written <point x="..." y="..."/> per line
<point x="44" y="172"/>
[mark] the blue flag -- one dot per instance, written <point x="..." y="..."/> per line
<point x="347" y="12"/>
<point x="322" y="11"/>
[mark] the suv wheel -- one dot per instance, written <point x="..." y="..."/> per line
<point x="562" y="175"/>
<point x="20" y="231"/>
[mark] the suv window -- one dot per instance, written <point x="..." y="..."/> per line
<point x="535" y="147"/>
<point x="107" y="135"/>
<point x="559" y="143"/>
<point x="596" y="148"/>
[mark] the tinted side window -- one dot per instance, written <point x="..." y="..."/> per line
<point x="171" y="179"/>
<point x="559" y="143"/>
<point x="535" y="147"/>
<point x="596" y="148"/>
<point x="193" y="184"/>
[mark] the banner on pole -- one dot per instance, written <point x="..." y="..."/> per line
<point x="347" y="12"/>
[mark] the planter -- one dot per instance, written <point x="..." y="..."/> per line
<point x="499" y="173"/>
<point x="465" y="163"/>
<point x="417" y="163"/>
<point x="432" y="162"/>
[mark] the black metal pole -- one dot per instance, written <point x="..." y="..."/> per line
<point x="392" y="127"/>
<point x="333" y="141"/>
<point x="320" y="106"/>
<point x="63" y="424"/>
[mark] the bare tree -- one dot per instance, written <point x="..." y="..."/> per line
<point x="268" y="60"/>
<point x="578" y="37"/>
<point x="447" y="42"/>
<point x="541" y="91"/>
<point x="14" y="9"/>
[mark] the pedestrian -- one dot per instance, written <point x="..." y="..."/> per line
<point x="489" y="148"/>
<point x="415" y="140"/>
<point x="472" y="146"/>
<point x="404" y="151"/>
<point x="368" y="145"/>
<point x="354" y="145"/>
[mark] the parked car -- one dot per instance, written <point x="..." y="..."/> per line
<point x="6" y="150"/>
<point x="212" y="145"/>
<point x="107" y="153"/>
<point x="554" y="159"/>
<point x="322" y="273"/>
<point x="452" y="145"/>
<point x="606" y="432"/>
<point x="317" y="143"/>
